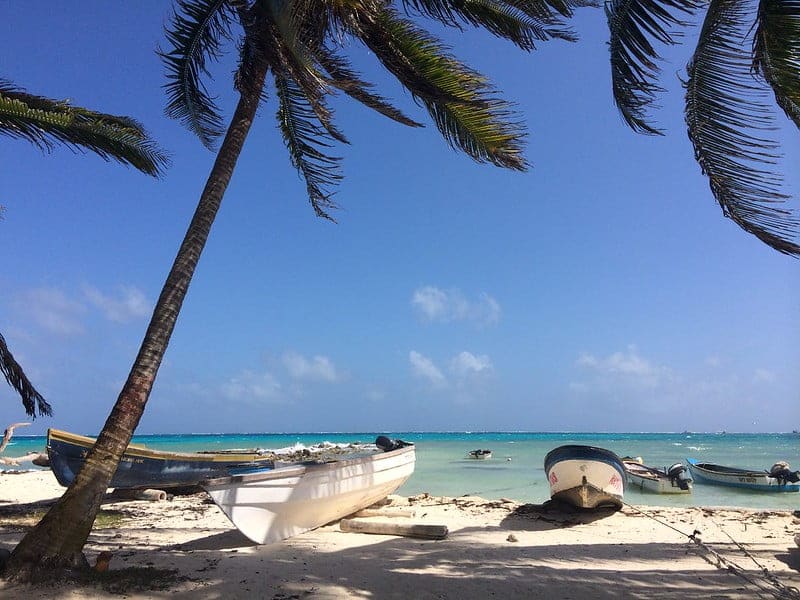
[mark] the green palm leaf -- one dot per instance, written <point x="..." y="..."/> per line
<point x="346" y="80"/>
<point x="776" y="52"/>
<point x="522" y="22"/>
<point x="196" y="33"/>
<point x="16" y="378"/>
<point x="460" y="100"/>
<point x="45" y="122"/>
<point x="728" y="118"/>
<point x="306" y="139"/>
<point x="633" y="26"/>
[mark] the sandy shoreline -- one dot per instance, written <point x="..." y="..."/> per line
<point x="186" y="548"/>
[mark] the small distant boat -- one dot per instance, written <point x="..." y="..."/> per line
<point x="269" y="505"/>
<point x="666" y="480"/>
<point x="142" y="467"/>
<point x="778" y="479"/>
<point x="480" y="454"/>
<point x="585" y="476"/>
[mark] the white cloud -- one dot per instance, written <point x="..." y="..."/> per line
<point x="435" y="304"/>
<point x="130" y="304"/>
<point x="52" y="310"/>
<point x="627" y="366"/>
<point x="249" y="386"/>
<point x="317" y="368"/>
<point x="764" y="376"/>
<point x="423" y="367"/>
<point x="467" y="363"/>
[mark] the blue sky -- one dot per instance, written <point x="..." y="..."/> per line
<point x="601" y="291"/>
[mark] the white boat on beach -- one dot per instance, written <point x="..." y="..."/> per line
<point x="671" y="480"/>
<point x="585" y="476"/>
<point x="269" y="505"/>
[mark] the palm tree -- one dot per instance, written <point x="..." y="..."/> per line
<point x="746" y="52"/>
<point x="45" y="123"/>
<point x="299" y="45"/>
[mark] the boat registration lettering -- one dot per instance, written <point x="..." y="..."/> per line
<point x="615" y="482"/>
<point x="553" y="478"/>
<point x="747" y="479"/>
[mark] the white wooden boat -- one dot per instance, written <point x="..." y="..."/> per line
<point x="672" y="480"/>
<point x="778" y="479"/>
<point x="480" y="454"/>
<point x="585" y="476"/>
<point x="269" y="505"/>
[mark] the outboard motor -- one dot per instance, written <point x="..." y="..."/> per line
<point x="780" y="471"/>
<point x="677" y="476"/>
<point x="387" y="445"/>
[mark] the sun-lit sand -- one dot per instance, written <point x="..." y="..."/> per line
<point x="186" y="548"/>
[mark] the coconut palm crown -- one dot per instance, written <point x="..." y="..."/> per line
<point x="747" y="51"/>
<point x="301" y="45"/>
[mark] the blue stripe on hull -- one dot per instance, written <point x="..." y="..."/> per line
<point x="134" y="471"/>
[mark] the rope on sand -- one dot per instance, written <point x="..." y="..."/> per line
<point x="780" y="590"/>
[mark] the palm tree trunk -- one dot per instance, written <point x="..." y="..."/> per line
<point x="57" y="541"/>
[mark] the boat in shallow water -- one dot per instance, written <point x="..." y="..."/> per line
<point x="665" y="480"/>
<point x="271" y="504"/>
<point x="778" y="479"/>
<point x="585" y="476"/>
<point x="142" y="467"/>
<point x="480" y="454"/>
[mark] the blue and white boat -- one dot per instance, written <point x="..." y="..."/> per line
<point x="585" y="476"/>
<point x="778" y="479"/>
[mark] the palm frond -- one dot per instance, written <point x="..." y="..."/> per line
<point x="306" y="140"/>
<point x="633" y="26"/>
<point x="347" y="80"/>
<point x="519" y="21"/>
<point x="728" y="120"/>
<point x="284" y="34"/>
<point x="196" y="33"/>
<point x="776" y="52"/>
<point x="461" y="101"/>
<point x="451" y="13"/>
<point x="16" y="378"/>
<point x="45" y="123"/>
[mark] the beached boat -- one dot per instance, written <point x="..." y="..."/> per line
<point x="480" y="454"/>
<point x="269" y="505"/>
<point x="141" y="467"/>
<point x="665" y="480"/>
<point x="778" y="479"/>
<point x="585" y="476"/>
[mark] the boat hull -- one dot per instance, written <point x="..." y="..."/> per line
<point x="738" y="478"/>
<point x="649" y="480"/>
<point x="585" y="476"/>
<point x="142" y="467"/>
<point x="271" y="505"/>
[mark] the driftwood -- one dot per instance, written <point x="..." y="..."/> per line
<point x="150" y="495"/>
<point x="34" y="457"/>
<point x="416" y="530"/>
<point x="9" y="433"/>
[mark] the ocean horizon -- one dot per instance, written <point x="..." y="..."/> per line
<point x="516" y="469"/>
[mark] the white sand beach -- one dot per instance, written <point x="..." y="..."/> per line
<point x="186" y="548"/>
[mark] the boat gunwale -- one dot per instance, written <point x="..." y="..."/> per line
<point x="291" y="470"/>
<point x="140" y="451"/>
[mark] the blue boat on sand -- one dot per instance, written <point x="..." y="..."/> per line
<point x="778" y="479"/>
<point x="142" y="467"/>
<point x="585" y="476"/>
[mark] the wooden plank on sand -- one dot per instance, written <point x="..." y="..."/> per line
<point x="416" y="530"/>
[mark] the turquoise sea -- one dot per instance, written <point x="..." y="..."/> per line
<point x="516" y="468"/>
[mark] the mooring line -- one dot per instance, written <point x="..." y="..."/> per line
<point x="782" y="591"/>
